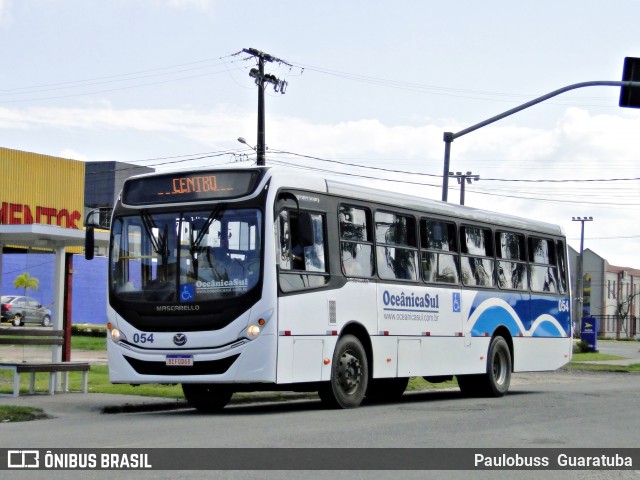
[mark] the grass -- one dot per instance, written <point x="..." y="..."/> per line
<point x="586" y="367"/>
<point x="10" y="413"/>
<point x="79" y="342"/>
<point x="580" y="362"/>
<point x="593" y="356"/>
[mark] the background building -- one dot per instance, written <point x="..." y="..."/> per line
<point x="611" y="295"/>
<point x="44" y="201"/>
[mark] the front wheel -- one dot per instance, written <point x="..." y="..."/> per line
<point x="496" y="381"/>
<point x="46" y="321"/>
<point x="207" y="397"/>
<point x="349" y="375"/>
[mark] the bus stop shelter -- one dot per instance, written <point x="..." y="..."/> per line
<point x="58" y="240"/>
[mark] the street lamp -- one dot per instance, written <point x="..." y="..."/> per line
<point x="580" y="292"/>
<point x="242" y="140"/>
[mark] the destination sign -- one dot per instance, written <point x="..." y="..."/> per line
<point x="189" y="187"/>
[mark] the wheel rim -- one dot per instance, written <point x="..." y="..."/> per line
<point x="349" y="373"/>
<point x="499" y="367"/>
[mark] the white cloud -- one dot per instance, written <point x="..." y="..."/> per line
<point x="73" y="155"/>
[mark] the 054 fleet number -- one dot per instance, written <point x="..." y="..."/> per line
<point x="143" y="338"/>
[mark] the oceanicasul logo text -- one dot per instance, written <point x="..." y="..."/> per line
<point x="223" y="283"/>
<point x="412" y="301"/>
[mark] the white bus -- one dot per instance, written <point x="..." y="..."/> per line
<point x="261" y="278"/>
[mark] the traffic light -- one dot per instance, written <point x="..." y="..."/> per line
<point x="630" y="96"/>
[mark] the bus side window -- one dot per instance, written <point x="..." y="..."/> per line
<point x="512" y="269"/>
<point x="544" y="272"/>
<point x="476" y="259"/>
<point x="439" y="258"/>
<point x="356" y="246"/>
<point x="284" y="240"/>
<point x="562" y="267"/>
<point x="396" y="249"/>
<point x="302" y="241"/>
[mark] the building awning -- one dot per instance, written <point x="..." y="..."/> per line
<point x="47" y="236"/>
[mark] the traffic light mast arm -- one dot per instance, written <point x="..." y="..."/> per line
<point x="449" y="137"/>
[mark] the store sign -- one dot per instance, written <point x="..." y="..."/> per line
<point x="19" y="214"/>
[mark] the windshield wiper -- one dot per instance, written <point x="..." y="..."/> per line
<point x="147" y="221"/>
<point x="215" y="215"/>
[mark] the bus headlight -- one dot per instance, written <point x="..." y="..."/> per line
<point x="117" y="335"/>
<point x="253" y="331"/>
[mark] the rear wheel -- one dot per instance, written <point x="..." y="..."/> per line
<point x="17" y="321"/>
<point x="349" y="375"/>
<point x="207" y="397"/>
<point x="496" y="381"/>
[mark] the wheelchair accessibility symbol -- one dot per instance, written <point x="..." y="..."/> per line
<point x="455" y="302"/>
<point x="187" y="293"/>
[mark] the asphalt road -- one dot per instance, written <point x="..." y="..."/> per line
<point x="541" y="410"/>
<point x="547" y="410"/>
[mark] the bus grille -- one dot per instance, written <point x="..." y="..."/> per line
<point x="210" y="367"/>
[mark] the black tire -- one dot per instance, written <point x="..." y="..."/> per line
<point x="207" y="397"/>
<point x="46" y="321"/>
<point x="17" y="321"/>
<point x="386" y="389"/>
<point x="349" y="375"/>
<point x="494" y="383"/>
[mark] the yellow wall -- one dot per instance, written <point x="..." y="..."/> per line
<point x="43" y="189"/>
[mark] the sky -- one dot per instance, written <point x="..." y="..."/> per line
<point x="371" y="88"/>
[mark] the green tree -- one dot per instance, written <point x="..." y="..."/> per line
<point x="26" y="281"/>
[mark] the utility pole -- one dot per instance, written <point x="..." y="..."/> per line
<point x="260" y="79"/>
<point x="580" y="292"/>
<point x="464" y="178"/>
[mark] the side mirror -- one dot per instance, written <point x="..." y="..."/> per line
<point x="93" y="218"/>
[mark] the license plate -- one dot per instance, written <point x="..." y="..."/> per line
<point x="179" y="360"/>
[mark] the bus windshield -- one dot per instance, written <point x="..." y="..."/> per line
<point x="185" y="256"/>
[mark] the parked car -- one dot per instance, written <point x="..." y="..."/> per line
<point x="19" y="310"/>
